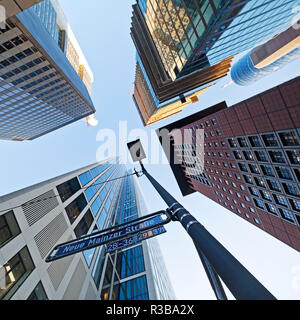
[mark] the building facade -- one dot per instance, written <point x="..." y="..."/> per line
<point x="69" y="207"/>
<point x="251" y="159"/>
<point x="41" y="86"/>
<point x="267" y="58"/>
<point x="156" y="93"/>
<point x="187" y="45"/>
<point x="238" y="26"/>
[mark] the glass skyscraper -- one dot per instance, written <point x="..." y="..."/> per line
<point x="240" y="26"/>
<point x="44" y="77"/>
<point x="69" y="207"/>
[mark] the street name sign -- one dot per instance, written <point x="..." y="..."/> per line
<point x="96" y="240"/>
<point x="121" y="244"/>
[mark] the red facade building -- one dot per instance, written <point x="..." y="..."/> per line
<point x="251" y="159"/>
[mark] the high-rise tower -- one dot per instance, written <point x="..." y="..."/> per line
<point x="184" y="47"/>
<point x="35" y="219"/>
<point x="249" y="160"/>
<point x="44" y="77"/>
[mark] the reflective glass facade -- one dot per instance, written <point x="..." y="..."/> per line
<point x="193" y="34"/>
<point x="177" y="26"/>
<point x="258" y="21"/>
<point x="47" y="14"/>
<point x="39" y="89"/>
<point x="69" y="207"/>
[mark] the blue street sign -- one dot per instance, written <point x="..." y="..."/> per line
<point x="121" y="244"/>
<point x="67" y="249"/>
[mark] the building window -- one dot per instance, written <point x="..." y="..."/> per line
<point x="297" y="173"/>
<point x="289" y="139"/>
<point x="280" y="200"/>
<point x="17" y="269"/>
<point x="38" y="293"/>
<point x="135" y="289"/>
<point x="256" y="221"/>
<point x="85" y="178"/>
<point x="247" y="199"/>
<point x="266" y="195"/>
<point x="267" y="171"/>
<point x="254" y="168"/>
<point x="242" y="142"/>
<point x="251" y="210"/>
<point x="284" y="173"/>
<point x="90" y="192"/>
<point x="243" y="167"/>
<point x="76" y="207"/>
<point x="295" y="204"/>
<point x="102" y="218"/>
<point x="248" y="179"/>
<point x="255" y="142"/>
<point x="98" y="266"/>
<point x="254" y="191"/>
<point x="261" y="156"/>
<point x="270" y="140"/>
<point x="214" y="121"/>
<point x="130" y="262"/>
<point x="277" y="156"/>
<point x="9" y="227"/>
<point x="271" y="208"/>
<point x="273" y="185"/>
<point x="259" y="203"/>
<point x="67" y="189"/>
<point x="232" y="143"/>
<point x="291" y="189"/>
<point x="287" y="215"/>
<point x="248" y="155"/>
<point x="238" y="155"/>
<point x="218" y="132"/>
<point x="294" y="156"/>
<point x="84" y="225"/>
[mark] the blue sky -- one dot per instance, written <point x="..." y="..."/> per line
<point x="103" y="30"/>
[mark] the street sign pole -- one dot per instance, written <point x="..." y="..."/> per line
<point x="217" y="259"/>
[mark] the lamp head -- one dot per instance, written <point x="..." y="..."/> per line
<point x="136" y="150"/>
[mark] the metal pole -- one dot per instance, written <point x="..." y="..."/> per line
<point x="213" y="277"/>
<point x="210" y="272"/>
<point x="242" y="284"/>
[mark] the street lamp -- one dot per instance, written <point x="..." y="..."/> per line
<point x="216" y="259"/>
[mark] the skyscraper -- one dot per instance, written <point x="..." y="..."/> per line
<point x="68" y="207"/>
<point x="183" y="45"/>
<point x="250" y="163"/>
<point x="44" y="77"/>
<point x="268" y="57"/>
<point x="157" y="93"/>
